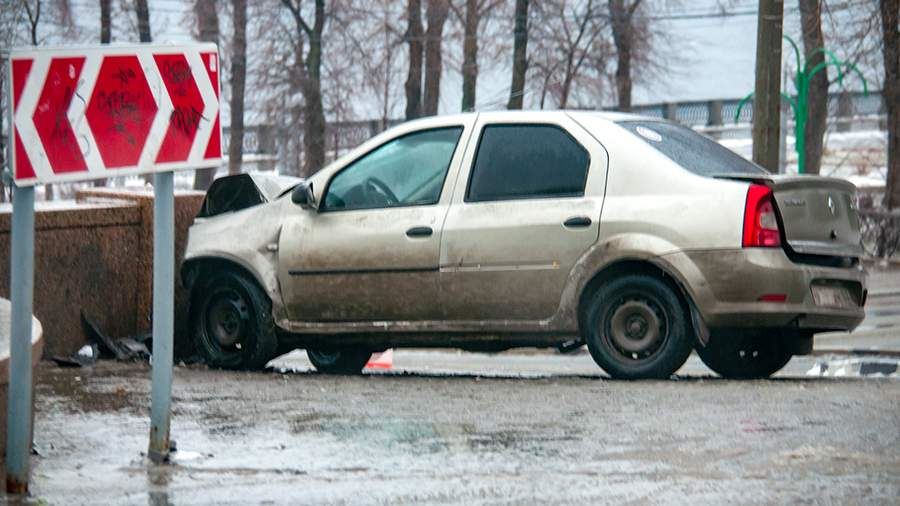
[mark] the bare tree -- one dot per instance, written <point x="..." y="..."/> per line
<point x="207" y="19"/>
<point x="470" y="54"/>
<point x="567" y="33"/>
<point x="308" y="65"/>
<point x="621" y="14"/>
<point x="813" y="45"/>
<point x="891" y="91"/>
<point x="367" y="33"/>
<point x="34" y="17"/>
<point x="471" y="17"/>
<point x="143" y="20"/>
<point x="238" y="81"/>
<point x="436" y="14"/>
<point x="414" y="38"/>
<point x="520" y="59"/>
<point x="105" y="24"/>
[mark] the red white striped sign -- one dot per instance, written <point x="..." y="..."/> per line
<point x="82" y="113"/>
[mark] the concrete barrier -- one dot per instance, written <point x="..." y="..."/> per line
<point x="96" y="255"/>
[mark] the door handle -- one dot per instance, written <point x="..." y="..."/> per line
<point x="577" y="222"/>
<point x="419" y="232"/>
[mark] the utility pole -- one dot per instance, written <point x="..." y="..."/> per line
<point x="767" y="94"/>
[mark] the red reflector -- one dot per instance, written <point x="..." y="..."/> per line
<point x="773" y="297"/>
<point x="760" y="222"/>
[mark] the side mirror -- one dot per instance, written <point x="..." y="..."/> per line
<point x="303" y="195"/>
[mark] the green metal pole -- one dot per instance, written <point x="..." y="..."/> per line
<point x="800" y="121"/>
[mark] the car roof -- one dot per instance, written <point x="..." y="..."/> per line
<point x="613" y="116"/>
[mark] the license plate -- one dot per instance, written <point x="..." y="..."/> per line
<point x="832" y="296"/>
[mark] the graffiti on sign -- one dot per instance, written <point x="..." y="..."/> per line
<point x="94" y="112"/>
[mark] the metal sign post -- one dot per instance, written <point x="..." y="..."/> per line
<point x="163" y="313"/>
<point x="21" y="288"/>
<point x="81" y="113"/>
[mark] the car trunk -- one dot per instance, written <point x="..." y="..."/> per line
<point x="818" y="214"/>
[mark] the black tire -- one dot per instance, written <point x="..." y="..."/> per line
<point x="636" y="327"/>
<point x="232" y="322"/>
<point x="343" y="361"/>
<point x="745" y="356"/>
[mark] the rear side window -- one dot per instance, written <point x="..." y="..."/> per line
<point x="693" y="151"/>
<point x="527" y="161"/>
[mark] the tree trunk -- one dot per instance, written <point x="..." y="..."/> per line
<point x="414" y="77"/>
<point x="767" y="89"/>
<point x="105" y="38"/>
<point x="470" y="56"/>
<point x="143" y="17"/>
<point x="314" y="113"/>
<point x="623" y="37"/>
<point x="105" y="25"/>
<point x="238" y="79"/>
<point x="520" y="59"/>
<point x="436" y="14"/>
<point x="207" y="31"/>
<point x="817" y="101"/>
<point x="891" y="48"/>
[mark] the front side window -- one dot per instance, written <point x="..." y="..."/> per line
<point x="527" y="161"/>
<point x="407" y="171"/>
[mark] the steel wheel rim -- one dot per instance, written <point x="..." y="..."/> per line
<point x="635" y="327"/>
<point x="227" y="321"/>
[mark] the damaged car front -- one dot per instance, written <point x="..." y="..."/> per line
<point x="235" y="235"/>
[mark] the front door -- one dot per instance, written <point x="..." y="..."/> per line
<point x="371" y="250"/>
<point x="526" y="207"/>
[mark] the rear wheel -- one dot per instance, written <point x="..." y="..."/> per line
<point x="232" y="322"/>
<point x="745" y="356"/>
<point x="343" y="361"/>
<point x="637" y="328"/>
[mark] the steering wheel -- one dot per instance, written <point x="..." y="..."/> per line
<point x="378" y="186"/>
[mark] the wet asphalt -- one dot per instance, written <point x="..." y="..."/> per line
<point x="502" y="433"/>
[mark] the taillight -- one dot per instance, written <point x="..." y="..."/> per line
<point x="760" y="222"/>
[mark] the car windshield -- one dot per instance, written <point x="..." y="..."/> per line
<point x="693" y="151"/>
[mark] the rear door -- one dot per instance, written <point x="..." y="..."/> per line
<point x="526" y="206"/>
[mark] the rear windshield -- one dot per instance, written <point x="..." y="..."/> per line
<point x="691" y="150"/>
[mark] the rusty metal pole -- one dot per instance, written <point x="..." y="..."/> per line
<point x="163" y="319"/>
<point x="767" y="94"/>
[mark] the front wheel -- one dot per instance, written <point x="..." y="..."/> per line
<point x="745" y="356"/>
<point x="232" y="322"/>
<point x="342" y="361"/>
<point x="636" y="327"/>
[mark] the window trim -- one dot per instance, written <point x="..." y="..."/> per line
<point x="462" y="130"/>
<point x="587" y="170"/>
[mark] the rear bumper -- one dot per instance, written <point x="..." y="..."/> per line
<point x="727" y="285"/>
